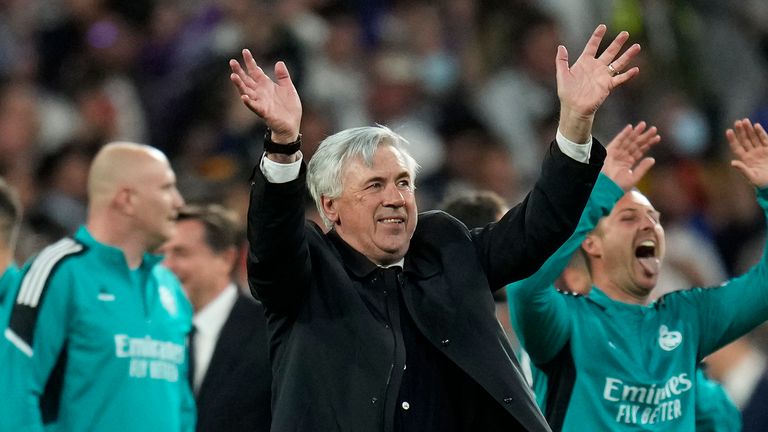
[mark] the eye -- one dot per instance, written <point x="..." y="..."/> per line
<point x="374" y="186"/>
<point x="404" y="184"/>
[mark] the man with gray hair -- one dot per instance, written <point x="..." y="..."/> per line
<point x="380" y="324"/>
<point x="97" y="333"/>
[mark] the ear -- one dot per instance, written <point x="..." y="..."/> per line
<point x="124" y="201"/>
<point x="229" y="256"/>
<point x="592" y="245"/>
<point x="330" y="209"/>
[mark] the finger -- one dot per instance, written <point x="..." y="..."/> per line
<point x="751" y="134"/>
<point x="250" y="64"/>
<point x="613" y="49"/>
<point x="593" y="44"/>
<point x="625" y="76"/>
<point x="642" y="168"/>
<point x="740" y="128"/>
<point x="761" y="134"/>
<point x="620" y="137"/>
<point x="733" y="141"/>
<point x="625" y="58"/>
<point x="241" y="88"/>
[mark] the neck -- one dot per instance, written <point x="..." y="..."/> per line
<point x="203" y="297"/>
<point x="110" y="231"/>
<point x="6" y="258"/>
<point x="622" y="292"/>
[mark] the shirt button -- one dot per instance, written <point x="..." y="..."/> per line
<point x="405" y="405"/>
<point x="508" y="400"/>
<point x="374" y="400"/>
<point x="445" y="342"/>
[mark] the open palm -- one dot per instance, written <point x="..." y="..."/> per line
<point x="749" y="144"/>
<point x="277" y="102"/>
<point x="625" y="162"/>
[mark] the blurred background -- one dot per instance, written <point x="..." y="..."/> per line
<point x="470" y="83"/>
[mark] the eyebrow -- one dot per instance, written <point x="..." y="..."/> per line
<point x="652" y="212"/>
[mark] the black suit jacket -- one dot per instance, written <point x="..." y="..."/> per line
<point x="331" y="359"/>
<point x="235" y="392"/>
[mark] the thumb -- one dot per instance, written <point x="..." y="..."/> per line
<point x="642" y="168"/>
<point x="561" y="61"/>
<point x="743" y="169"/>
<point x="281" y="74"/>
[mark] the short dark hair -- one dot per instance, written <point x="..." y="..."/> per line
<point x="222" y="227"/>
<point x="10" y="213"/>
<point x="475" y="208"/>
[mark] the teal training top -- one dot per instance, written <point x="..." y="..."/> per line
<point x="715" y="411"/>
<point x="8" y="282"/>
<point x="96" y="346"/>
<point x="606" y="365"/>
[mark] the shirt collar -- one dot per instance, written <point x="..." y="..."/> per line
<point x="111" y="253"/>
<point x="212" y="316"/>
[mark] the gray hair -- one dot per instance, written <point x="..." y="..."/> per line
<point x="325" y="169"/>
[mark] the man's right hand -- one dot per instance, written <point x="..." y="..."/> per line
<point x="276" y="102"/>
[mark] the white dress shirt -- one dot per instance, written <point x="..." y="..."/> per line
<point x="208" y="323"/>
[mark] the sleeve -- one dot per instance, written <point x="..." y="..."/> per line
<point x="715" y="411"/>
<point x="37" y="332"/>
<point x="278" y="262"/>
<point x="517" y="245"/>
<point x="734" y="308"/>
<point x="538" y="313"/>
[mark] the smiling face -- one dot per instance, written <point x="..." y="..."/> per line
<point x="626" y="250"/>
<point x="376" y="212"/>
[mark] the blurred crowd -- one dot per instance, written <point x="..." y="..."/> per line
<point x="470" y="83"/>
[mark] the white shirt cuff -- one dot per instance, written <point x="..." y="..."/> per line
<point x="278" y="172"/>
<point x="577" y="152"/>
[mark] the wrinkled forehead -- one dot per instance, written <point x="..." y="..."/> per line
<point x="384" y="157"/>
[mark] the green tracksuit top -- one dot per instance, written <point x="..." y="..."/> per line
<point x="96" y="346"/>
<point x="609" y="366"/>
<point x="8" y="282"/>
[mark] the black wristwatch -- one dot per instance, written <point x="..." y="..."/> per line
<point x="286" y="149"/>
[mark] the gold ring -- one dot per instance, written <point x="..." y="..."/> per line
<point x="612" y="70"/>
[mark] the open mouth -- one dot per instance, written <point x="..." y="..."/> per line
<point x="646" y="255"/>
<point x="647" y="249"/>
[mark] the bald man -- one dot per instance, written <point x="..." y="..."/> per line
<point x="98" y="329"/>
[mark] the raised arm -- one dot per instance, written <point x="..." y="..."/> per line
<point x="538" y="313"/>
<point x="278" y="256"/>
<point x="737" y="306"/>
<point x="584" y="86"/>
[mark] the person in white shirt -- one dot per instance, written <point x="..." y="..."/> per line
<point x="229" y="371"/>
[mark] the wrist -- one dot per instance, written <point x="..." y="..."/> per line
<point x="278" y="144"/>
<point x="576" y="127"/>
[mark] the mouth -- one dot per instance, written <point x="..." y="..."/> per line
<point x="392" y="220"/>
<point x="646" y="249"/>
<point x="645" y="253"/>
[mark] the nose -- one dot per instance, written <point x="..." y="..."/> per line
<point x="393" y="196"/>
<point x="178" y="200"/>
<point x="648" y="223"/>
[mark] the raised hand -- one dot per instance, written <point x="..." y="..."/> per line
<point x="625" y="162"/>
<point x="583" y="87"/>
<point x="749" y="144"/>
<point x="277" y="102"/>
